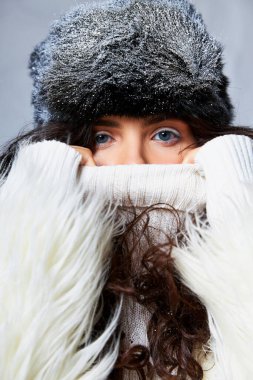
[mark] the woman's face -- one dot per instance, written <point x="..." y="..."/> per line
<point x="121" y="140"/>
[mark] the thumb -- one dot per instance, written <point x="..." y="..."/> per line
<point x="189" y="158"/>
<point x="87" y="157"/>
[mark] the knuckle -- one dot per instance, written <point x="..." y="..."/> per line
<point x="88" y="151"/>
<point x="82" y="150"/>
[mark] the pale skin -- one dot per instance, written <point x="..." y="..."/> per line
<point x="121" y="140"/>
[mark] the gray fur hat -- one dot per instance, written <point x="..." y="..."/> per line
<point x="129" y="57"/>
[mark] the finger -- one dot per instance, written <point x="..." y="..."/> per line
<point x="190" y="156"/>
<point x="88" y="161"/>
<point x="87" y="157"/>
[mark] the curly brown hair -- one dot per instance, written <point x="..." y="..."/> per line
<point x="178" y="320"/>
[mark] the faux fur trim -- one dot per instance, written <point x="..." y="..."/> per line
<point x="217" y="265"/>
<point x="53" y="266"/>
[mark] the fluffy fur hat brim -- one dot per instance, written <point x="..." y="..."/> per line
<point x="129" y="57"/>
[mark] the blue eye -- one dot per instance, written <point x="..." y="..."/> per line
<point x="101" y="138"/>
<point x="166" y="135"/>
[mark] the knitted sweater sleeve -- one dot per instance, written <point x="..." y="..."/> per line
<point x="226" y="162"/>
<point x="217" y="263"/>
<point x="52" y="269"/>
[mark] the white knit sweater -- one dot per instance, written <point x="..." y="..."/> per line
<point x="56" y="235"/>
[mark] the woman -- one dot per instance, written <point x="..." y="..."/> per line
<point x="122" y="83"/>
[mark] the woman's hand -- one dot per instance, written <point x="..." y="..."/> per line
<point x="189" y="158"/>
<point x="87" y="157"/>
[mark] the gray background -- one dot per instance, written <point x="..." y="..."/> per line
<point x="23" y="23"/>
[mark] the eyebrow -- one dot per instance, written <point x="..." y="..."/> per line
<point x="112" y="123"/>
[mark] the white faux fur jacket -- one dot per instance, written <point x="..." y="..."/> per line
<point x="56" y="235"/>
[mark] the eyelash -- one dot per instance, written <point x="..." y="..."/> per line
<point x="174" y="132"/>
<point x="159" y="131"/>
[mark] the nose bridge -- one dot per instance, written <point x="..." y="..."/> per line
<point x="133" y="151"/>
